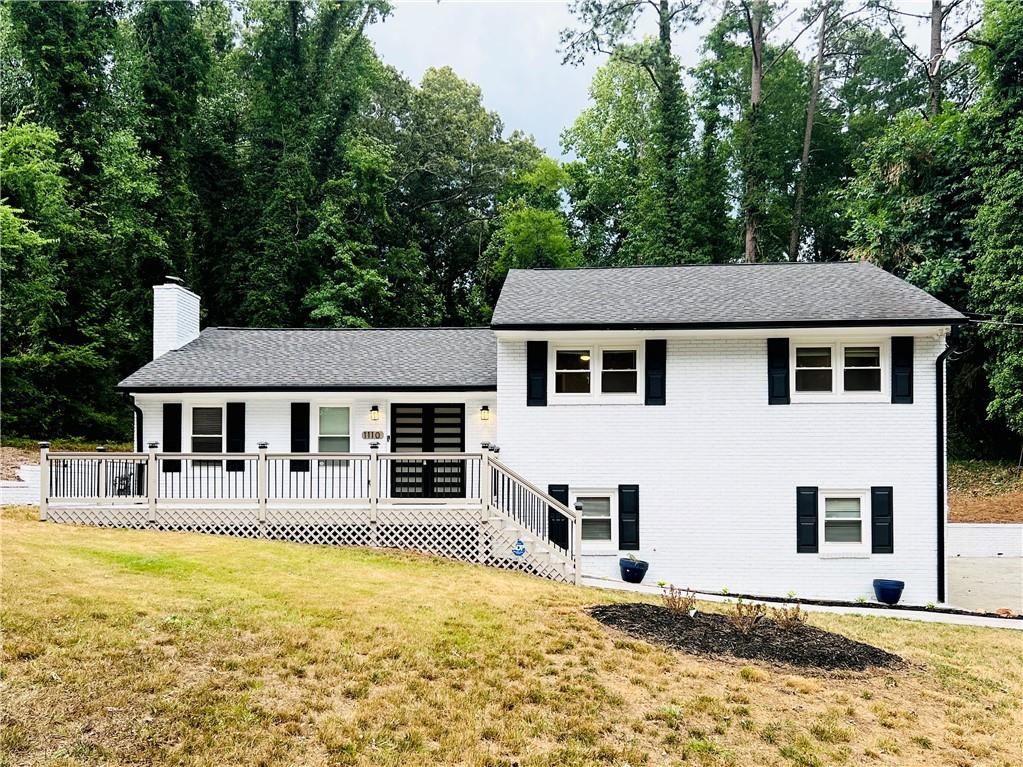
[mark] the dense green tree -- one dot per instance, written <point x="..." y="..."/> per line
<point x="996" y="283"/>
<point x="607" y="27"/>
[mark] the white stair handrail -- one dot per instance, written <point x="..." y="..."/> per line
<point x="546" y="501"/>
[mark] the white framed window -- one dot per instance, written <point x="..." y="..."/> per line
<point x="844" y="527"/>
<point x="852" y="370"/>
<point x="814" y="370"/>
<point x="599" y="515"/>
<point x="596" y="517"/>
<point x="334" y="433"/>
<point x="207" y="429"/>
<point x="572" y="370"/>
<point x="861" y="368"/>
<point x="589" y="372"/>
<point x="619" y="371"/>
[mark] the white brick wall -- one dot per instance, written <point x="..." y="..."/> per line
<point x="718" y="468"/>
<point x="268" y="415"/>
<point x="175" y="317"/>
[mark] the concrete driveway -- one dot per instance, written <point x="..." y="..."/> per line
<point x="985" y="583"/>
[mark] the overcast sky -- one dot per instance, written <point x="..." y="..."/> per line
<point x="510" y="49"/>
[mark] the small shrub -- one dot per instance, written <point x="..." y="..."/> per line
<point x="746" y="616"/>
<point x="789" y="618"/>
<point x="678" y="600"/>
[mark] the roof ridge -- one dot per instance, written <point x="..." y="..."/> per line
<point x="688" y="266"/>
<point x="421" y="327"/>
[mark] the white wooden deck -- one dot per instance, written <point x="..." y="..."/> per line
<point x="474" y="508"/>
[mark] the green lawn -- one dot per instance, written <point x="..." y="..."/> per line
<point x="126" y="647"/>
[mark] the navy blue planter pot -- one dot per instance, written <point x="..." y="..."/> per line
<point x="888" y="592"/>
<point x="633" y="570"/>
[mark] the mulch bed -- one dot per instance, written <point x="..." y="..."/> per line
<point x="714" y="635"/>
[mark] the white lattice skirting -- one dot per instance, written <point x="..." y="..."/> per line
<point x="462" y="534"/>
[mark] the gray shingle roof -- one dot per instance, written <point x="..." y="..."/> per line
<point x="387" y="358"/>
<point x="737" y="295"/>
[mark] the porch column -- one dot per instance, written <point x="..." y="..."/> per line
<point x="151" y="481"/>
<point x="262" y="483"/>
<point x="44" y="481"/>
<point x="374" y="492"/>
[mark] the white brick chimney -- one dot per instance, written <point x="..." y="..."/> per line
<point x="175" y="316"/>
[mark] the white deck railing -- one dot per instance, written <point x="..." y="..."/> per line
<point x="259" y="493"/>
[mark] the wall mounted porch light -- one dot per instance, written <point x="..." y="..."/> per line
<point x="374" y="413"/>
<point x="485" y="413"/>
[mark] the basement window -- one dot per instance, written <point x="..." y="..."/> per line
<point x="842" y="523"/>
<point x="596" y="516"/>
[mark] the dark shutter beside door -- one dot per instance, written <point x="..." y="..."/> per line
<point x="902" y="370"/>
<point x="536" y="373"/>
<point x="628" y="517"/>
<point x="235" y="437"/>
<point x="299" y="433"/>
<point x="171" y="434"/>
<point x="557" y="523"/>
<point x="656" y="368"/>
<point x="882" y="537"/>
<point x="777" y="371"/>
<point x="806" y="520"/>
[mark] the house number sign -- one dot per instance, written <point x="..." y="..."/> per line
<point x="372" y="435"/>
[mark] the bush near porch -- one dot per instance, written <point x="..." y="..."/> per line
<point x="161" y="648"/>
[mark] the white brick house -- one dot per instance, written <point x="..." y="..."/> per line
<point x="766" y="428"/>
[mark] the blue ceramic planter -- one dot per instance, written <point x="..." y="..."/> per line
<point x="888" y="592"/>
<point x="633" y="570"/>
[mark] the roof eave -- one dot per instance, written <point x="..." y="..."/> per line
<point x="164" y="389"/>
<point x="772" y="325"/>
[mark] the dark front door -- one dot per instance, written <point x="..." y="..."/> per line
<point x="428" y="429"/>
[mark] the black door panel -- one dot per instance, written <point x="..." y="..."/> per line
<point x="428" y="429"/>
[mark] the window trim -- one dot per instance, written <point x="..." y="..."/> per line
<point x="598" y="547"/>
<point x="838" y="391"/>
<point x="213" y="463"/>
<point x="596" y="351"/>
<point x="600" y="371"/>
<point x="588" y="349"/>
<point x="834" y="550"/>
<point x="319" y="406"/>
<point x="191" y="427"/>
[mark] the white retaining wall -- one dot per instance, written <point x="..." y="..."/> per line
<point x="718" y="467"/>
<point x="980" y="540"/>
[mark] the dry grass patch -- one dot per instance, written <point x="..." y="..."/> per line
<point x="158" y="648"/>
<point x="985" y="491"/>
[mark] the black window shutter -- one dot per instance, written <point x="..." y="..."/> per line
<point x="656" y="369"/>
<point x="171" y="434"/>
<point x="902" y="370"/>
<point x="300" y="433"/>
<point x="777" y="371"/>
<point x="628" y="517"/>
<point x="882" y="534"/>
<point x="557" y="523"/>
<point x="536" y="373"/>
<point x="806" y="520"/>
<point x="235" y="437"/>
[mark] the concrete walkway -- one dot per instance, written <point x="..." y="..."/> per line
<point x="910" y="615"/>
